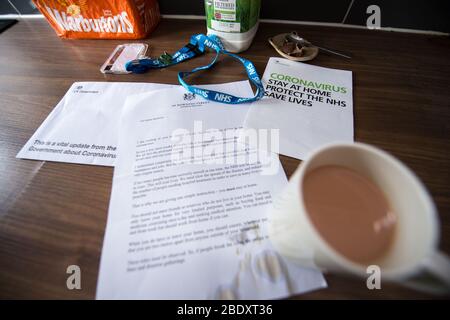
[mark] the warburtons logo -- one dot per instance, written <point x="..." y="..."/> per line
<point x="113" y="24"/>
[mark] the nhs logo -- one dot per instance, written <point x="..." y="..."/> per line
<point x="222" y="97"/>
<point x="251" y="69"/>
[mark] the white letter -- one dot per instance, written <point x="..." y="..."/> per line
<point x="198" y="142"/>
<point x="127" y="22"/>
<point x="94" y="24"/>
<point x="111" y="25"/>
<point x="268" y="151"/>
<point x="181" y="148"/>
<point x="213" y="141"/>
<point x="246" y="152"/>
<point x="373" y="21"/>
<point x="86" y="25"/>
<point x="74" y="280"/>
<point x="374" y="280"/>
<point x="57" y="17"/>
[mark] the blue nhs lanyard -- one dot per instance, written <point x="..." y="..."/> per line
<point x="197" y="46"/>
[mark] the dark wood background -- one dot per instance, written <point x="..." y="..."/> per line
<point x="53" y="214"/>
<point x="417" y="14"/>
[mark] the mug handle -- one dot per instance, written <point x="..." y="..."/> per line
<point x="435" y="277"/>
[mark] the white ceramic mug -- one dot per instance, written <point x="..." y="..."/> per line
<point x="414" y="247"/>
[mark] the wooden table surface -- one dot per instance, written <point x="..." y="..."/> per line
<point x="53" y="214"/>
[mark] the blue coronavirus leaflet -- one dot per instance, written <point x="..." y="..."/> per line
<point x="187" y="215"/>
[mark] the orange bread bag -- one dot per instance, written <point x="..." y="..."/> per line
<point x="101" y="19"/>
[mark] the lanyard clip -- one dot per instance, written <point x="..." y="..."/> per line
<point x="194" y="48"/>
<point x="139" y="65"/>
<point x="165" y="58"/>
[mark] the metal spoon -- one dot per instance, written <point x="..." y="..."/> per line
<point x="305" y="43"/>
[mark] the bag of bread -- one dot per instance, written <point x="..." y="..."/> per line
<point x="101" y="19"/>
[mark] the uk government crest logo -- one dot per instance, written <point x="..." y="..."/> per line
<point x="189" y="96"/>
